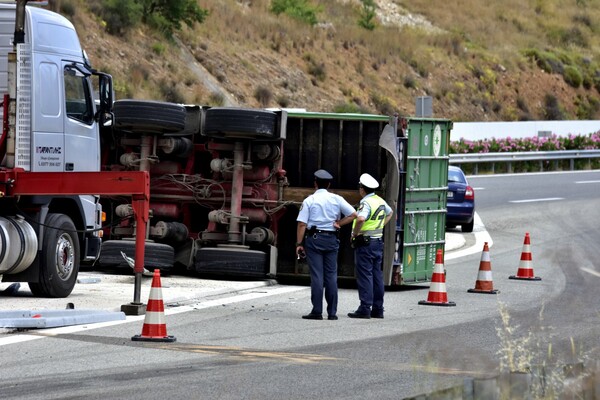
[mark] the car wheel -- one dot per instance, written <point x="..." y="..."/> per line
<point x="59" y="260"/>
<point x="468" y="227"/>
<point x="240" y="123"/>
<point x="156" y="255"/>
<point x="140" y="116"/>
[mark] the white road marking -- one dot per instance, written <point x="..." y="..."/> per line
<point x="481" y="236"/>
<point x="255" y="294"/>
<point x="536" y="200"/>
<point x="587" y="181"/>
<point x="590" y="271"/>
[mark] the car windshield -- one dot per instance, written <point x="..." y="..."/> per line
<point x="455" y="176"/>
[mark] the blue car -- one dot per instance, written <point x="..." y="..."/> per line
<point x="460" y="202"/>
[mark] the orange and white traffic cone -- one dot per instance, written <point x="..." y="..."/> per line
<point x="437" y="290"/>
<point x="525" y="271"/>
<point x="484" y="282"/>
<point x="155" y="328"/>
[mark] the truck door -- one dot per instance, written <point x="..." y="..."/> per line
<point x="82" y="151"/>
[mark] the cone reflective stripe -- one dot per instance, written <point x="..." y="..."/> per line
<point x="484" y="283"/>
<point x="525" y="271"/>
<point x="155" y="328"/>
<point x="437" y="290"/>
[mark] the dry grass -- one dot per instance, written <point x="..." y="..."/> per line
<point x="473" y="43"/>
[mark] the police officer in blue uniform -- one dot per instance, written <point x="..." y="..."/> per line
<point x="367" y="240"/>
<point x="317" y="236"/>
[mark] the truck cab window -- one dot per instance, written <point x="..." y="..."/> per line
<point x="78" y="96"/>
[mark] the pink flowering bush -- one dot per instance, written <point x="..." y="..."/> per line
<point x="493" y="145"/>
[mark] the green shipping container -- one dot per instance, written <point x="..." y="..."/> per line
<point x="409" y="156"/>
<point x="424" y="221"/>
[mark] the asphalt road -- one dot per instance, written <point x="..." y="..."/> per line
<point x="252" y="344"/>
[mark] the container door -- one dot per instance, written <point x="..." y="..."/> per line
<point x="426" y="190"/>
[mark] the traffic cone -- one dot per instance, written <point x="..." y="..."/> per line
<point x="437" y="290"/>
<point x="155" y="328"/>
<point x="525" y="271"/>
<point x="484" y="283"/>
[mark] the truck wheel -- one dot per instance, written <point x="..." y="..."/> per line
<point x="231" y="261"/>
<point x="240" y="123"/>
<point x="144" y="116"/>
<point x="156" y="255"/>
<point x="59" y="259"/>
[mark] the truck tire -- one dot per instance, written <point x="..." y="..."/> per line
<point x="156" y="255"/>
<point x="59" y="258"/>
<point x="144" y="116"/>
<point x="231" y="261"/>
<point x="240" y="123"/>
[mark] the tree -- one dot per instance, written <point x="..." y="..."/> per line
<point x="165" y="15"/>
<point x="299" y="9"/>
<point x="168" y="15"/>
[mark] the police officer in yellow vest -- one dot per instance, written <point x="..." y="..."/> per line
<point x="367" y="240"/>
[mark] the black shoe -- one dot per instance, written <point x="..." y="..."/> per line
<point x="312" y="316"/>
<point x="356" y="314"/>
<point x="332" y="317"/>
<point x="377" y="315"/>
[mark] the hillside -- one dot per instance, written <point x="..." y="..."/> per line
<point x="480" y="61"/>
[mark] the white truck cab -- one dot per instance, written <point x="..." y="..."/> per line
<point x="51" y="123"/>
<point x="58" y="132"/>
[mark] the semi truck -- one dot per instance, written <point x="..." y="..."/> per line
<point x="50" y="179"/>
<point x="227" y="184"/>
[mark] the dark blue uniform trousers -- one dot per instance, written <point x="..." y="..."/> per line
<point x="321" y="253"/>
<point x="369" y="276"/>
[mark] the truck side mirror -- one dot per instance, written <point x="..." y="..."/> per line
<point x="105" y="91"/>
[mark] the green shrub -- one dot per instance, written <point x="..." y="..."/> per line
<point x="170" y="92"/>
<point x="367" y="15"/>
<point x="410" y="82"/>
<point x="301" y="10"/>
<point x="163" y="15"/>
<point x="158" y="48"/>
<point x="216" y="99"/>
<point x="263" y="95"/>
<point x="283" y="101"/>
<point x="545" y="60"/>
<point x="317" y="70"/>
<point x="383" y="104"/>
<point x="119" y="15"/>
<point x="351" y="108"/>
<point x="572" y="76"/>
<point x="552" y="108"/>
<point x="67" y="8"/>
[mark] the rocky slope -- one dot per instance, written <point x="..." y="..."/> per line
<point x="469" y="56"/>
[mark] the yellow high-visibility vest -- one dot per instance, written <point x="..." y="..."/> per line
<point x="373" y="225"/>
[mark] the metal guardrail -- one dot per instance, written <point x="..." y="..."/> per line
<point x="508" y="157"/>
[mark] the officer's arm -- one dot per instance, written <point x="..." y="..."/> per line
<point x="359" y="223"/>
<point x="346" y="220"/>
<point x="388" y="217"/>
<point x="300" y="231"/>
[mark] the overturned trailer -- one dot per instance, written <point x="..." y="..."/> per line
<point x="227" y="184"/>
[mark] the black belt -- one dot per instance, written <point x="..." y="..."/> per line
<point x="374" y="238"/>
<point x="321" y="232"/>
